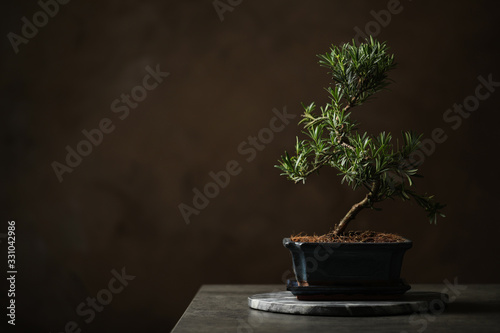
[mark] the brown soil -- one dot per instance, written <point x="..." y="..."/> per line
<point x="350" y="237"/>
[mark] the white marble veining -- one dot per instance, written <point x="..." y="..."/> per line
<point x="285" y="302"/>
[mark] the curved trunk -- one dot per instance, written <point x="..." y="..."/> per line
<point x="356" y="208"/>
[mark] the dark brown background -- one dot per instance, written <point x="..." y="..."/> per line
<point x="119" y="208"/>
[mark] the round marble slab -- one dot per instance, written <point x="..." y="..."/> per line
<point x="285" y="302"/>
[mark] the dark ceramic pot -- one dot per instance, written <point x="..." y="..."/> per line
<point x="344" y="265"/>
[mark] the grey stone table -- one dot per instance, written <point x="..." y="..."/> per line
<point x="224" y="308"/>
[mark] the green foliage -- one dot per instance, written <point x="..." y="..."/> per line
<point x="373" y="162"/>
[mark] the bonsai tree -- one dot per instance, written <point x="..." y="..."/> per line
<point x="371" y="162"/>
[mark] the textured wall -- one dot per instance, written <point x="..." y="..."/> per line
<point x="119" y="205"/>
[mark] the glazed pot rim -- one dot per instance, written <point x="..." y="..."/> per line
<point x="406" y="241"/>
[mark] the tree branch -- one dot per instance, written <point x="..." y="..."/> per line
<point x="317" y="167"/>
